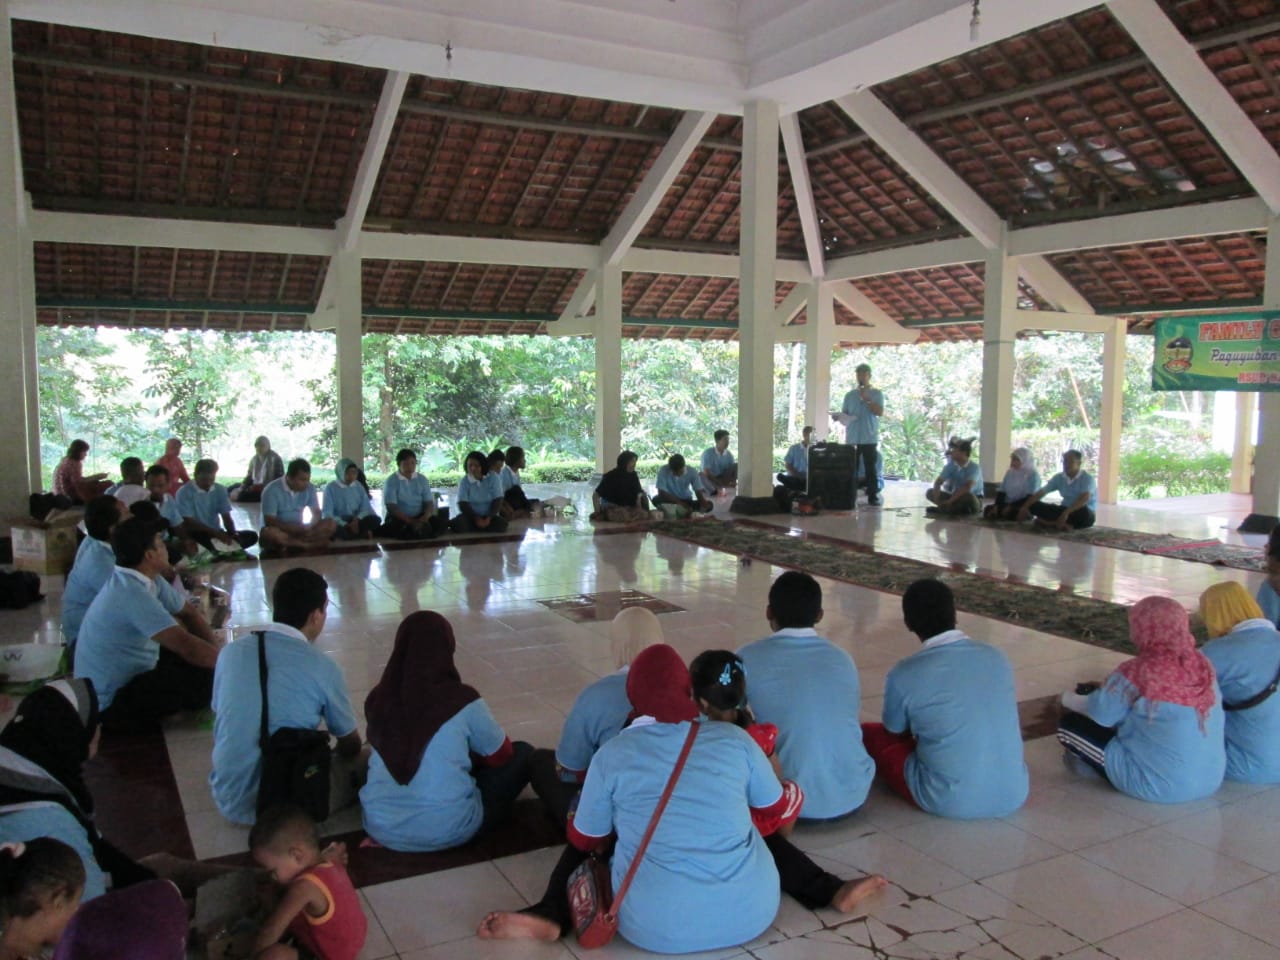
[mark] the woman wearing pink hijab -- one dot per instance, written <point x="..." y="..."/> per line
<point x="173" y="463"/>
<point x="1154" y="728"/>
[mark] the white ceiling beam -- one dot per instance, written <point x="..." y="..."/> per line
<point x="1205" y="96"/>
<point x="1047" y="281"/>
<point x="56" y="226"/>
<point x="375" y="148"/>
<point x="881" y="328"/>
<point x="1174" y="223"/>
<point x="798" y="164"/>
<point x="688" y="133"/>
<point x="641" y="260"/>
<point x="791" y="304"/>
<point x="918" y="256"/>
<point x="1062" y="321"/>
<point x="583" y="298"/>
<point x="926" y="167"/>
<point x="447" y="249"/>
<point x="572" y="326"/>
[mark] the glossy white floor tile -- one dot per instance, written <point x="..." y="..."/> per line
<point x="1079" y="872"/>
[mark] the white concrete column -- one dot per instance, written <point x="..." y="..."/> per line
<point x="1113" y="346"/>
<point x="1266" y="461"/>
<point x="1242" y="447"/>
<point x="608" y="367"/>
<point x="348" y="328"/>
<point x="18" y="386"/>
<point x="819" y="341"/>
<point x="999" y="332"/>
<point x="758" y="244"/>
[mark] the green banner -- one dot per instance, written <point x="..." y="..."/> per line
<point x="1223" y="352"/>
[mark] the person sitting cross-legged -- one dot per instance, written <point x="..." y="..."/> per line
<point x="795" y="474"/>
<point x="479" y="498"/>
<point x="678" y="486"/>
<point x="619" y="495"/>
<point x="521" y="504"/>
<point x="177" y="537"/>
<point x="409" y="502"/>
<point x="1079" y="497"/>
<point x="958" y="489"/>
<point x="719" y="471"/>
<point x="95" y="562"/>
<point x="206" y="510"/>
<point x="264" y="466"/>
<point x="304" y="687"/>
<point x="147" y="651"/>
<point x="346" y="502"/>
<point x="133" y="484"/>
<point x="951" y="742"/>
<point x="283" y="501"/>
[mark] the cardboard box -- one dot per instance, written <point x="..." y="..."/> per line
<point x="46" y="548"/>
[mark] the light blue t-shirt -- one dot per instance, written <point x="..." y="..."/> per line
<point x="206" y="506"/>
<point x="346" y="503"/>
<point x="1247" y="661"/>
<point x="863" y="426"/>
<point x="95" y="562"/>
<point x="50" y="819"/>
<point x="1071" y="489"/>
<point x="287" y="505"/>
<point x="440" y="807"/>
<point x="507" y="477"/>
<point x="412" y="496"/>
<point x="707" y="880"/>
<point x="714" y="462"/>
<point x="1269" y="601"/>
<point x="809" y="688"/>
<point x="480" y="493"/>
<point x="797" y="459"/>
<point x="596" y="717"/>
<point x="304" y="686"/>
<point x="115" y="642"/>
<point x="957" y="697"/>
<point x="680" y="487"/>
<point x="168" y="509"/>
<point x="955" y="476"/>
<point x="1159" y="752"/>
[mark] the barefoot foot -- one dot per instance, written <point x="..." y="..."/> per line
<point x="853" y="892"/>
<point x="502" y="925"/>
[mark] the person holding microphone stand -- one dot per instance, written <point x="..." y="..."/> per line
<point x="860" y="413"/>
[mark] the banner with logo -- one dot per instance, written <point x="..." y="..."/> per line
<point x="1225" y="352"/>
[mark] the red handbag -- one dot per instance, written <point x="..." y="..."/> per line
<point x="591" y="901"/>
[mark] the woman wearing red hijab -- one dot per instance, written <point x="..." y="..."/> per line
<point x="707" y="880"/>
<point x="425" y="726"/>
<point x="172" y="462"/>
<point x="1154" y="728"/>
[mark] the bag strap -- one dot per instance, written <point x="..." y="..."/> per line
<point x="263" y="734"/>
<point x="653" y="821"/>
<point x="1256" y="699"/>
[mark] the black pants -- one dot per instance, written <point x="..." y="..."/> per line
<point x="173" y="685"/>
<point x="397" y="529"/>
<point x="516" y="498"/>
<point x="499" y="786"/>
<point x="799" y="876"/>
<point x="793" y="483"/>
<point x="705" y="506"/>
<point x="246" y="539"/>
<point x="463" y="523"/>
<point x="1086" y="739"/>
<point x="867" y="453"/>
<point x="1050" y="512"/>
<point x="366" y="526"/>
<point x="555" y="793"/>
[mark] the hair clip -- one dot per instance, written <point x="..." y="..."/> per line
<point x="726" y="675"/>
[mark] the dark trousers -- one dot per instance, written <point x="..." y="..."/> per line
<point x="397" y="529"/>
<point x="1050" y="512"/>
<point x="173" y="685"/>
<point x="705" y="507"/>
<point x="800" y="877"/>
<point x="499" y="786"/>
<point x="246" y="539"/>
<point x="1086" y="739"/>
<point x="867" y="453"/>
<point x="463" y="523"/>
<point x="793" y="483"/>
<point x="367" y="526"/>
<point x="516" y="498"/>
<point x="554" y="905"/>
<point x="557" y="794"/>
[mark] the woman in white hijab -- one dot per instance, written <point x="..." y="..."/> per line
<point x="1020" y="481"/>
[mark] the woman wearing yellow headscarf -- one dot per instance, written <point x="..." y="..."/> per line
<point x="1244" y="648"/>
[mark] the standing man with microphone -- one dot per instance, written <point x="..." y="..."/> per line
<point x="861" y="412"/>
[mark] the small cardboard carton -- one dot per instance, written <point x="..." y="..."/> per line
<point x="46" y="547"/>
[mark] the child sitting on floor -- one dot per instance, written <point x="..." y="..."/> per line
<point x="319" y="908"/>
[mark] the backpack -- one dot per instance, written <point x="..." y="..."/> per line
<point x="18" y="589"/>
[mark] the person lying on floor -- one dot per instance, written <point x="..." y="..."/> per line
<point x="479" y="498"/>
<point x="441" y="769"/>
<point x="346" y="502"/>
<point x="1154" y="728"/>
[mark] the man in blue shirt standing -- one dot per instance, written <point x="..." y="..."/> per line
<point x="951" y="741"/>
<point x="304" y="687"/>
<point x="718" y="469"/>
<point x="1079" y="497"/>
<point x="860" y="413"/>
<point x="795" y="475"/>
<point x="148" y="653"/>
<point x="958" y="489"/>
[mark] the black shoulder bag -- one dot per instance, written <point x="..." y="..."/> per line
<point x="295" y="762"/>
<point x="1261" y="697"/>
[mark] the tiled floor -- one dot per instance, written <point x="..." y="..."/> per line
<point x="1079" y="872"/>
